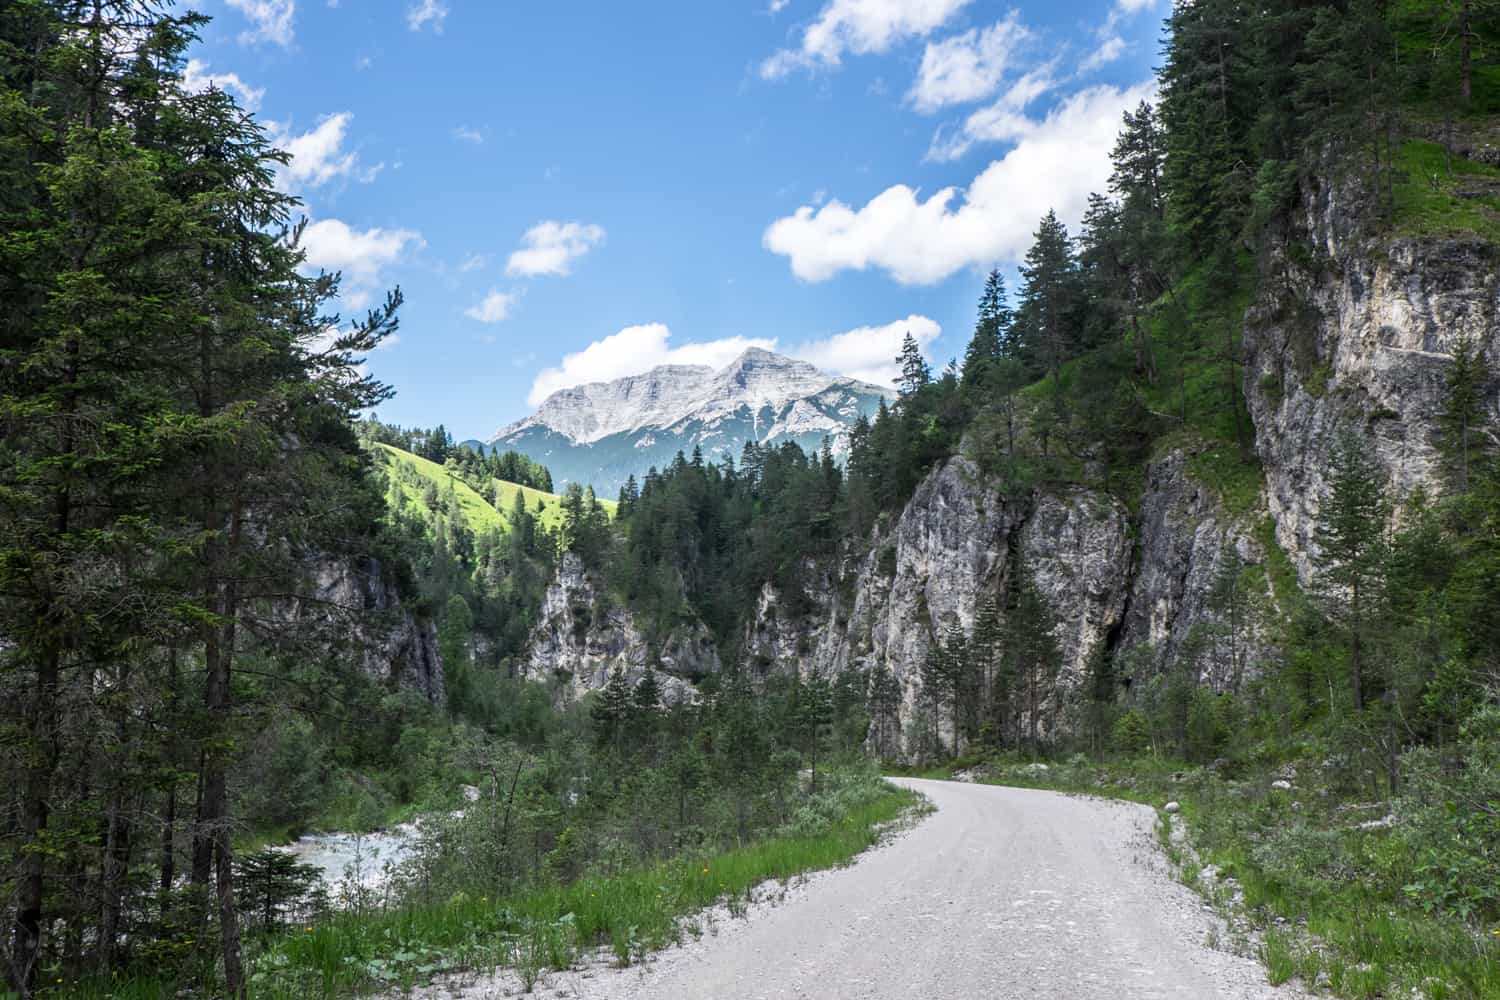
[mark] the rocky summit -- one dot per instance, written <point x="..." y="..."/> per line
<point x="602" y="432"/>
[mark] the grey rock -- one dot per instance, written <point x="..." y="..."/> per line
<point x="1172" y="808"/>
<point x="1361" y="339"/>
<point x="581" y="637"/>
<point x="359" y="608"/>
<point x="1186" y="539"/>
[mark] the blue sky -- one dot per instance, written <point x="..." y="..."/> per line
<point x="571" y="191"/>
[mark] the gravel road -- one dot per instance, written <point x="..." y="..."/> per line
<point x="1002" y="893"/>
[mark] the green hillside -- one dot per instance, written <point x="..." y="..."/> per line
<point x="476" y="509"/>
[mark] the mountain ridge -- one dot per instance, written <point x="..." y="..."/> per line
<point x="602" y="432"/>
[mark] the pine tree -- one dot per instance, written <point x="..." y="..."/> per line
<point x="1351" y="546"/>
<point x="915" y="373"/>
<point x="937" y="688"/>
<point x="962" y="681"/>
<point x="985" y="648"/>
<point x="1032" y="656"/>
<point x="884" y="701"/>
<point x="992" y="331"/>
<point x="610" y="712"/>
<point x="1463" y="411"/>
<point x="1051" y="296"/>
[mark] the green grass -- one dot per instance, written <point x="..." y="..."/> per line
<point x="1428" y="201"/>
<point x="631" y="914"/>
<point x="476" y="509"/>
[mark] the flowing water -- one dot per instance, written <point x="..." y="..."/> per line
<point x="359" y="858"/>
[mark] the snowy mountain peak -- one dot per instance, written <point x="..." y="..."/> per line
<point x="600" y="432"/>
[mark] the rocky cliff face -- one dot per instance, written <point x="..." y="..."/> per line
<point x="1359" y="337"/>
<point x="1199" y="581"/>
<point x="580" y="637"/>
<point x="359" y="606"/>
<point x="953" y="546"/>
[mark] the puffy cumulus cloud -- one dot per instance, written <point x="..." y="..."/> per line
<point x="551" y="247"/>
<point x="318" y="155"/>
<point x="270" y="20"/>
<point x="361" y="255"/>
<point x="493" y="308"/>
<point x="868" y="353"/>
<point x="860" y="27"/>
<point x="1055" y="163"/>
<point x="634" y="350"/>
<point x="967" y="67"/>
<point x="196" y="78"/>
<point x="420" y="15"/>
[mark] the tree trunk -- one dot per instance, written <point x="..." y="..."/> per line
<point x="1466" y="45"/>
<point x="213" y="817"/>
<point x="26" y="935"/>
<point x="1356" y="678"/>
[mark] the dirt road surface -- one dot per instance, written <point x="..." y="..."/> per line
<point x="1001" y="893"/>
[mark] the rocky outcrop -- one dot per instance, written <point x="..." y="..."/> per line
<point x="1076" y="546"/>
<point x="581" y="636"/>
<point x="951" y="548"/>
<point x="1181" y="593"/>
<point x="1359" y="338"/>
<point x="361" y="609"/>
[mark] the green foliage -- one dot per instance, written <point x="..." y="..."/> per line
<point x="1434" y="200"/>
<point x="1450" y="811"/>
<point x="481" y="505"/>
<point x="1131" y="733"/>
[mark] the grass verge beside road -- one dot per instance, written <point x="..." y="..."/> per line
<point x="632" y="914"/>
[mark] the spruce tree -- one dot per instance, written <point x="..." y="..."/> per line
<point x="988" y="345"/>
<point x="915" y="373"/>
<point x="1351" y="547"/>
<point x="1463" y="411"/>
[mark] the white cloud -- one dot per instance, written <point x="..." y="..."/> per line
<point x="493" y="308"/>
<point x="1108" y="51"/>
<point x="318" y="155"/>
<point x="196" y="78"/>
<point x="634" y="350"/>
<point x="967" y="67"/>
<point x="551" y="247"/>
<point x="361" y="255"/>
<point x="468" y="134"/>
<point x="473" y="262"/>
<point x="777" y="6"/>
<point x="1134" y="6"/>
<point x="1055" y="163"/>
<point x="426" y="12"/>
<point x="868" y="353"/>
<point x="271" y="20"/>
<point x="1003" y="121"/>
<point x="860" y="27"/>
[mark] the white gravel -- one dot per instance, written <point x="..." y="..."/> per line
<point x="1002" y="893"/>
